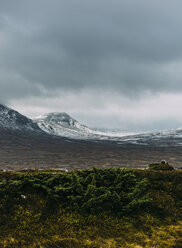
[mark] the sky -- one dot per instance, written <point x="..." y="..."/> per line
<point x="113" y="64"/>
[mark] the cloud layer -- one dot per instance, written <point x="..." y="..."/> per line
<point x="61" y="48"/>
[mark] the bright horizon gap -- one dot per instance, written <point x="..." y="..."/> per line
<point x="121" y="114"/>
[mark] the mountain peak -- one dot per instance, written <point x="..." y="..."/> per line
<point x="13" y="120"/>
<point x="60" y="123"/>
<point x="59" y="118"/>
<point x="56" y="115"/>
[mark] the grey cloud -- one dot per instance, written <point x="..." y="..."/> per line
<point x="86" y="44"/>
<point x="125" y="46"/>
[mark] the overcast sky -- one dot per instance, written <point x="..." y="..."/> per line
<point x="115" y="64"/>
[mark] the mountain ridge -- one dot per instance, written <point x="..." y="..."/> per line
<point x="63" y="125"/>
<point x="23" y="145"/>
<point x="11" y="119"/>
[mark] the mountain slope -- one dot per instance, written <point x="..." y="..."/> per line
<point x="24" y="145"/>
<point x="62" y="124"/>
<point x="13" y="120"/>
<point x="162" y="138"/>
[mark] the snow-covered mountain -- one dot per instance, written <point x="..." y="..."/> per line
<point x="163" y="138"/>
<point x="13" y="120"/>
<point x="62" y="124"/>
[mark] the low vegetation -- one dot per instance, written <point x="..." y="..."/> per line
<point x="163" y="165"/>
<point x="91" y="209"/>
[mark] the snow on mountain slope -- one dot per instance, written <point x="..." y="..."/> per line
<point x="13" y="120"/>
<point x="162" y="138"/>
<point x="62" y="124"/>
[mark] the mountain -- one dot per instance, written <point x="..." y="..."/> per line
<point x="61" y="124"/>
<point x="13" y="120"/>
<point x="162" y="138"/>
<point x="58" y="141"/>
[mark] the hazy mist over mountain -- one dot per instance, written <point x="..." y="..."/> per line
<point x="112" y="64"/>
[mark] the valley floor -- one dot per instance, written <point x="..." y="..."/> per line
<point x="19" y="151"/>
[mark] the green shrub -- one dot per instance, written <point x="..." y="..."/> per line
<point x="91" y="208"/>
<point x="161" y="166"/>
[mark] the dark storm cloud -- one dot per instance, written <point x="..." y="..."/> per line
<point x="130" y="46"/>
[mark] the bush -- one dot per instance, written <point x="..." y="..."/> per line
<point x="163" y="165"/>
<point x="91" y="208"/>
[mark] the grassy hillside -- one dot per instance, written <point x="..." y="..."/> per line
<point x="91" y="209"/>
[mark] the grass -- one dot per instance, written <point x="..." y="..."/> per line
<point x="51" y="210"/>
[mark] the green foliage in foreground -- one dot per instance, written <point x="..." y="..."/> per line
<point x="91" y="208"/>
<point x="115" y="191"/>
<point x="161" y="166"/>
